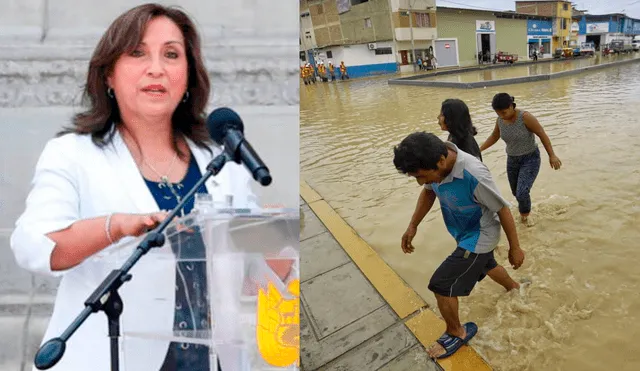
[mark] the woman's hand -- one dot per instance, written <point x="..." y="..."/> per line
<point x="555" y="162"/>
<point x="135" y="225"/>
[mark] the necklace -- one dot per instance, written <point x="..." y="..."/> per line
<point x="164" y="179"/>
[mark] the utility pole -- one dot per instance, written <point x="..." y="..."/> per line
<point x="303" y="39"/>
<point x="413" y="46"/>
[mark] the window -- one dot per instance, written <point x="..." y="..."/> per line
<point x="565" y="6"/>
<point x="423" y="20"/>
<point x="384" y="51"/>
<point x="329" y="54"/>
<point x="563" y="22"/>
<point x="367" y="23"/>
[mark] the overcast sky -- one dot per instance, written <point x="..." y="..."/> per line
<point x="630" y="7"/>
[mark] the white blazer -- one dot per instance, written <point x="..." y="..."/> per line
<point x="74" y="179"/>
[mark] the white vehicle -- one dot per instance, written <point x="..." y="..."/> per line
<point x="587" y="48"/>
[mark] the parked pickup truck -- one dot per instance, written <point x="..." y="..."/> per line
<point x="587" y="49"/>
<point x="619" y="46"/>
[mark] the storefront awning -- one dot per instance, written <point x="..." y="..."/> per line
<point x="535" y="41"/>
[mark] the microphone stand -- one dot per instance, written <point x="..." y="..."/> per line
<point x="106" y="298"/>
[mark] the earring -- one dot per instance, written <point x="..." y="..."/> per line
<point x="186" y="97"/>
<point x="110" y="92"/>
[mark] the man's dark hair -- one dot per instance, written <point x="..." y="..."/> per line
<point x="420" y="150"/>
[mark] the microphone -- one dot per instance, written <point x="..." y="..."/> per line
<point x="226" y="128"/>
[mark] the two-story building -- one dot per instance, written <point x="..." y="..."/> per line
<point x="371" y="36"/>
<point x="414" y="30"/>
<point x="561" y="13"/>
<point x="604" y="28"/>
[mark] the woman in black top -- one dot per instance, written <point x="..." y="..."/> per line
<point x="455" y="118"/>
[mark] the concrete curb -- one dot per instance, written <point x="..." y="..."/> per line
<point x="480" y="68"/>
<point x="412" y="81"/>
<point x="425" y="325"/>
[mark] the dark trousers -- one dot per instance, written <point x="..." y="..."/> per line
<point x="522" y="172"/>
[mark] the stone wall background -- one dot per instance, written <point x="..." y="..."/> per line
<point x="251" y="50"/>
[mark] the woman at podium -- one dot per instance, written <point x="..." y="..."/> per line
<point x="134" y="152"/>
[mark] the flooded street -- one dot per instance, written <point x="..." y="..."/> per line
<point x="581" y="310"/>
<point x="532" y="69"/>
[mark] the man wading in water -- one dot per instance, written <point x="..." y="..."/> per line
<point x="473" y="211"/>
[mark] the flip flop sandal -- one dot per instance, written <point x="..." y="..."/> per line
<point x="451" y="343"/>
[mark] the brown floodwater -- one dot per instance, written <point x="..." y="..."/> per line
<point x="531" y="69"/>
<point x="582" y="255"/>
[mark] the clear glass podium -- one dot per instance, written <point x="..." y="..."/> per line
<point x="240" y="301"/>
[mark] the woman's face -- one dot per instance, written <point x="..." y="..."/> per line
<point x="507" y="113"/>
<point x="152" y="80"/>
<point x="441" y="122"/>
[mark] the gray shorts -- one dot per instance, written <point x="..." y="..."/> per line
<point x="458" y="274"/>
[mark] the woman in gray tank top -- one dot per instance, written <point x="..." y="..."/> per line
<point x="517" y="129"/>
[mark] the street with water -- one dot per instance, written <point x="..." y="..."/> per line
<point x="580" y="312"/>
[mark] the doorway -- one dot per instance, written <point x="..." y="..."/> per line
<point x="446" y="53"/>
<point x="485" y="43"/>
<point x="485" y="46"/>
<point x="403" y="57"/>
<point x="595" y="39"/>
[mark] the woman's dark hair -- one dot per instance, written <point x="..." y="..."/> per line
<point x="457" y="118"/>
<point x="503" y="101"/>
<point x="420" y="150"/>
<point x="123" y="36"/>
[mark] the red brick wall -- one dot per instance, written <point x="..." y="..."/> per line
<point x="544" y="8"/>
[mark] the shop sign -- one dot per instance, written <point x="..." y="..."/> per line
<point x="485" y="26"/>
<point x="599" y="27"/>
<point x="540" y="28"/>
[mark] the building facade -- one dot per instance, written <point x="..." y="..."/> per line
<point x="371" y="36"/>
<point x="414" y="30"/>
<point x="307" y="36"/>
<point x="602" y="29"/>
<point x="357" y="32"/>
<point x="464" y="33"/>
<point x="561" y="13"/>
<point x="540" y="35"/>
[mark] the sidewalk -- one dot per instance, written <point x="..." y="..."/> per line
<point x="357" y="313"/>
<point x="474" y="67"/>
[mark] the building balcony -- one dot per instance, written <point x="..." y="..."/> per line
<point x="419" y="33"/>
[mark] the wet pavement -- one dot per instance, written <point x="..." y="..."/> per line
<point x="357" y="314"/>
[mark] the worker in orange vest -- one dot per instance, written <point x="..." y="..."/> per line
<point x="332" y="71"/>
<point x="343" y="71"/>
<point x="303" y="74"/>
<point x="310" y="73"/>
<point x="322" y="70"/>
